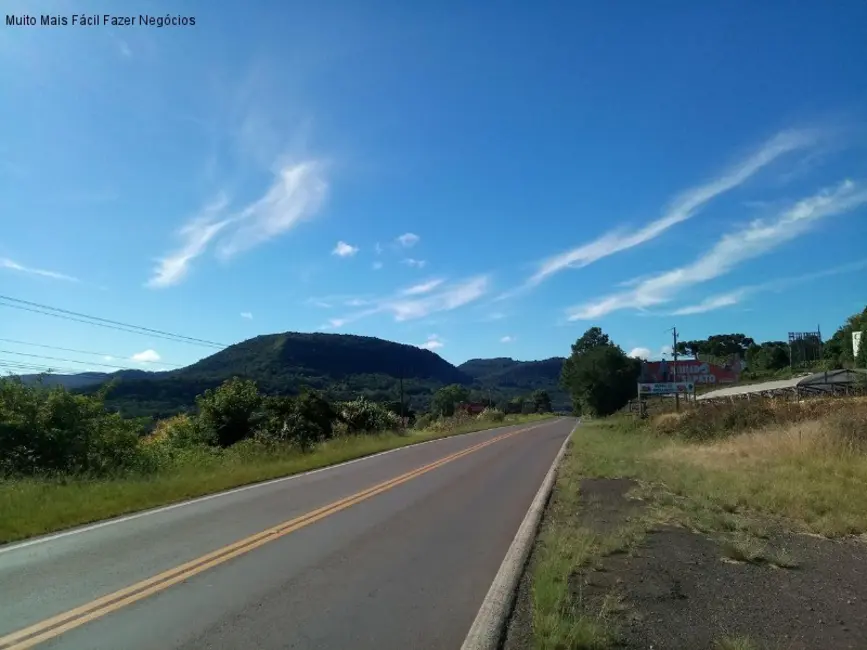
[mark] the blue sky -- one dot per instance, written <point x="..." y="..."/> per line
<point x="484" y="181"/>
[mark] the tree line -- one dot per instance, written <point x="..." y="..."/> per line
<point x="49" y="430"/>
<point x="602" y="379"/>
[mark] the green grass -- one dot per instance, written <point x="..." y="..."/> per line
<point x="735" y="643"/>
<point x="31" y="507"/>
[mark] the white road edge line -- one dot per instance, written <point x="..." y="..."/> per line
<point x="493" y="616"/>
<point x="16" y="546"/>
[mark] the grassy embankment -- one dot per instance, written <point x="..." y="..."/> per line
<point x="31" y="506"/>
<point x="731" y="472"/>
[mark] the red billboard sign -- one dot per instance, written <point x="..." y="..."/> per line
<point x="691" y="370"/>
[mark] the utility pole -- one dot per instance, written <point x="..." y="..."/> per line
<point x="401" y="399"/>
<point x="674" y="369"/>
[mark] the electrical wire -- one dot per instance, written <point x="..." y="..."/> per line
<point x="47" y="358"/>
<point x="97" y="354"/>
<point x="47" y="310"/>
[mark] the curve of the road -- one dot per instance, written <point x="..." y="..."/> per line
<point x="395" y="551"/>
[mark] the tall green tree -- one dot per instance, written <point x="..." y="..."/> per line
<point x="445" y="399"/>
<point x="599" y="376"/>
<point x="717" y="345"/>
<point x="861" y="357"/>
<point x="231" y="411"/>
<point x="838" y="352"/>
<point x="770" y="355"/>
<point x="542" y="401"/>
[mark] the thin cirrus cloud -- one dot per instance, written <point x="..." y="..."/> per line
<point x="683" y="207"/>
<point x="420" y="300"/>
<point x="507" y="339"/>
<point x="408" y="240"/>
<point x="418" y="264"/>
<point x="342" y="249"/>
<point x="757" y="239"/>
<point x="296" y="194"/>
<point x="246" y="315"/>
<point x="731" y="298"/>
<point x="12" y="265"/>
<point x="423" y="287"/>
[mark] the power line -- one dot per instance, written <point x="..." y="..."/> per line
<point x="35" y="368"/>
<point x="87" y="363"/>
<point x="97" y="354"/>
<point x="47" y="310"/>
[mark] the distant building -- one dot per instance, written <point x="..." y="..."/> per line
<point x="473" y="408"/>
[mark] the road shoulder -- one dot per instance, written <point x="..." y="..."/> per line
<point x="623" y="561"/>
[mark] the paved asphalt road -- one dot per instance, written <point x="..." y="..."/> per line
<point x="402" y="568"/>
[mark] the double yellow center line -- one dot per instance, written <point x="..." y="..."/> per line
<point x="62" y="623"/>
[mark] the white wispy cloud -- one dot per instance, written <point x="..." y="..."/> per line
<point x="507" y="339"/>
<point x="297" y="193"/>
<point x="378" y="248"/>
<point x="408" y="240"/>
<point x="342" y="249"/>
<point x="736" y="296"/>
<point x="197" y="234"/>
<point x="424" y="287"/>
<point x="451" y="297"/>
<point x="12" y="265"/>
<point x="683" y="207"/>
<point x="146" y="356"/>
<point x="418" y="264"/>
<point x="433" y="342"/>
<point x="376" y="266"/>
<point x="493" y="316"/>
<point x="756" y="239"/>
<point x="421" y="302"/>
<point x="640" y="353"/>
<point x="712" y="303"/>
<point x="347" y="299"/>
<point x="247" y="315"/>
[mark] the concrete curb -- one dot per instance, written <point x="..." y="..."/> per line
<point x="487" y="630"/>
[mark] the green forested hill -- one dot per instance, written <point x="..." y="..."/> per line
<point x="510" y="377"/>
<point x="340" y="365"/>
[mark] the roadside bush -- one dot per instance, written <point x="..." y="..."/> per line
<point x="286" y="421"/>
<point x="423" y="421"/>
<point x="50" y="430"/>
<point x="849" y="426"/>
<point x="704" y="422"/>
<point x="231" y="411"/>
<point x="491" y="415"/>
<point x="318" y="412"/>
<point x="363" y="416"/>
<point x="180" y="431"/>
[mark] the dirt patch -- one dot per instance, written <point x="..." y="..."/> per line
<point x="605" y="507"/>
<point x="679" y="589"/>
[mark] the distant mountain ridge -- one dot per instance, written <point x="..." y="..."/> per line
<point x="343" y="366"/>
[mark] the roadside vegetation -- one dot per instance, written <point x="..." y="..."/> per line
<point x="67" y="460"/>
<point x="739" y="473"/>
<point x="652" y="520"/>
